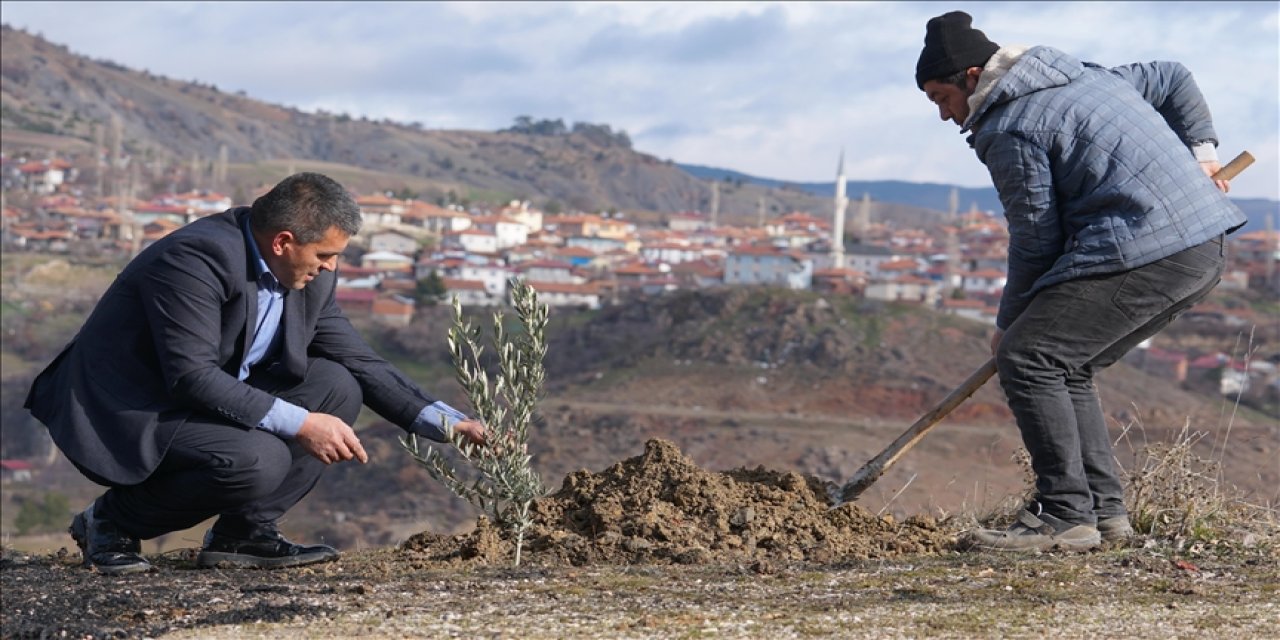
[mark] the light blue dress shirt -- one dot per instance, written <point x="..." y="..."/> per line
<point x="285" y="418"/>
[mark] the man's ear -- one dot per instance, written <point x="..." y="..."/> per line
<point x="282" y="240"/>
<point x="971" y="76"/>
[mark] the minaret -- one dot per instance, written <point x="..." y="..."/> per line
<point x="837" y="231"/>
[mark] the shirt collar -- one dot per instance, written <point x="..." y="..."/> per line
<point x="262" y="271"/>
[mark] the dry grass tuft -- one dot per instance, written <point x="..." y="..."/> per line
<point x="1178" y="496"/>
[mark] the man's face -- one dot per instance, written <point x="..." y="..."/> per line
<point x="295" y="264"/>
<point x="951" y="100"/>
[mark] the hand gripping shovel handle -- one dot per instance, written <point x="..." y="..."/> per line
<point x="1233" y="168"/>
<point x="873" y="469"/>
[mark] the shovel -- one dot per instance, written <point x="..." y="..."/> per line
<point x="873" y="469"/>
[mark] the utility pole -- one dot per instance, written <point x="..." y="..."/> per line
<point x="715" y="203"/>
<point x="862" y="223"/>
<point x="953" y="259"/>
<point x="97" y="159"/>
<point x="220" y="179"/>
<point x="1272" y="244"/>
<point x="195" y="170"/>
<point x="130" y="194"/>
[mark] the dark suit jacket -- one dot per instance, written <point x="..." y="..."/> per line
<point x="166" y="342"/>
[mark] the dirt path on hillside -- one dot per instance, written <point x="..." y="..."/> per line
<point x="808" y="422"/>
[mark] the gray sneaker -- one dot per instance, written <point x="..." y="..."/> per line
<point x="1115" y="528"/>
<point x="1037" y="532"/>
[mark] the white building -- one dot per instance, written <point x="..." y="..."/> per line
<point x="470" y="293"/>
<point x="393" y="241"/>
<point x="768" y="266"/>
<point x="519" y="211"/>
<point x="905" y="289"/>
<point x="671" y="253"/>
<point x="561" y="294"/>
<point x="474" y="241"/>
<point x="985" y="281"/>
<point x="493" y="275"/>
<point x="508" y="232"/>
<point x="867" y="258"/>
<point x="550" y="271"/>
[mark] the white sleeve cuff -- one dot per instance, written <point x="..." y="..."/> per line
<point x="1205" y="152"/>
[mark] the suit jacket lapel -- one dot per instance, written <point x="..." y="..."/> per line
<point x="294" y="357"/>
<point x="250" y="305"/>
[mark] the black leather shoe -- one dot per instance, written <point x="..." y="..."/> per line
<point x="104" y="547"/>
<point x="266" y="549"/>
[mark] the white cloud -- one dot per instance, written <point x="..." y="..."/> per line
<point x="771" y="89"/>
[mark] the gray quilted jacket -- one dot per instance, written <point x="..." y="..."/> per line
<point x="1094" y="170"/>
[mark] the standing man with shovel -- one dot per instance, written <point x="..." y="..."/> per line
<point x="1114" y="230"/>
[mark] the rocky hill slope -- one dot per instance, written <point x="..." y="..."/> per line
<point x="54" y="98"/>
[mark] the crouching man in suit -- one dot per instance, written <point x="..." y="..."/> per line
<point x="217" y="377"/>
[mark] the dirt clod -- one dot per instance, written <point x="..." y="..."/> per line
<point x="661" y="508"/>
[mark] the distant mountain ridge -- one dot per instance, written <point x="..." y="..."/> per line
<point x="929" y="195"/>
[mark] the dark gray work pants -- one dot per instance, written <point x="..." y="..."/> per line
<point x="1049" y="355"/>
<point x="248" y="477"/>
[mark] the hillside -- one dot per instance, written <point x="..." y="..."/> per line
<point x="793" y="380"/>
<point x="55" y="99"/>
<point x="735" y="377"/>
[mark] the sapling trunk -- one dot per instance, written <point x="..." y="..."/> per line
<point x="504" y="485"/>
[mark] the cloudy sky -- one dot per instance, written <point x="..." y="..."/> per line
<point x="771" y="89"/>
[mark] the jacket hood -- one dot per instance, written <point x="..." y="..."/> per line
<point x="1036" y="69"/>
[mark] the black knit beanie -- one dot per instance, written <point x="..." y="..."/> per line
<point x="951" y="46"/>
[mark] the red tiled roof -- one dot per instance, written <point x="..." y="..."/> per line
<point x="989" y="274"/>
<point x="564" y="287"/>
<point x="899" y="265"/>
<point x="546" y="264"/>
<point x="457" y="284"/>
<point x="389" y="305"/>
<point x="344" y="294"/>
<point x="575" y="252"/>
<point x="952" y="303"/>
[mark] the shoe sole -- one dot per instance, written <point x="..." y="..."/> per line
<point x="1118" y="536"/>
<point x="79" y="533"/>
<point x="215" y="559"/>
<point x="1048" y="545"/>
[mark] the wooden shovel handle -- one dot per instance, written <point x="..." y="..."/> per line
<point x="1233" y="168"/>
<point x="872" y="470"/>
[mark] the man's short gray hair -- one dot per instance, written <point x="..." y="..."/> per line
<point x="307" y="205"/>
<point x="958" y="79"/>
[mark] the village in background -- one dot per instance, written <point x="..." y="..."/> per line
<point x="411" y="252"/>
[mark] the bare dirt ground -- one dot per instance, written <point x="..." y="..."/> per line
<point x="656" y="547"/>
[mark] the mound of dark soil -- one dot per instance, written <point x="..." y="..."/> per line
<point x="661" y="508"/>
